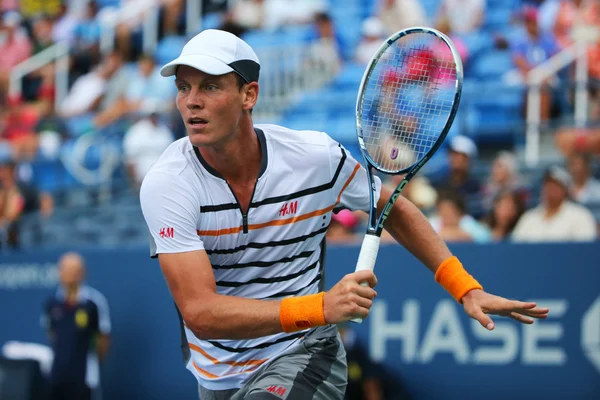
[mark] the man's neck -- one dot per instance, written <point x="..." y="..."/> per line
<point x="551" y="211"/>
<point x="239" y="160"/>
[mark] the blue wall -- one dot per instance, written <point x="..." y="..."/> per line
<point x="415" y="329"/>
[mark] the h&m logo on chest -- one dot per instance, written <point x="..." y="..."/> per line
<point x="288" y="208"/>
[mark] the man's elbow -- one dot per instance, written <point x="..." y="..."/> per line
<point x="200" y="320"/>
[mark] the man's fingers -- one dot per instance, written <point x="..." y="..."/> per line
<point x="366" y="292"/>
<point x="366" y="276"/>
<point x="519" y="305"/>
<point x="536" y="312"/>
<point x="364" y="302"/>
<point x="521" y="318"/>
<point x="483" y="319"/>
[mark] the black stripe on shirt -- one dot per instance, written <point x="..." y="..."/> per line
<point x="220" y="207"/>
<point x="259" y="346"/>
<point x="304" y="192"/>
<point x="263" y="264"/>
<point x="293" y="292"/>
<point x="274" y="243"/>
<point x="268" y="280"/>
<point x="285" y="197"/>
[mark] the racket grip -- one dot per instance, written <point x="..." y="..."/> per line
<point x="366" y="259"/>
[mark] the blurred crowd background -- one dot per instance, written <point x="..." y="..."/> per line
<point x="84" y="112"/>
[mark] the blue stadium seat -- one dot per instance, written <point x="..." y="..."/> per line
<point x="168" y="48"/>
<point x="491" y="65"/>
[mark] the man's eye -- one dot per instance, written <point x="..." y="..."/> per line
<point x="182" y="88"/>
<point x="211" y="87"/>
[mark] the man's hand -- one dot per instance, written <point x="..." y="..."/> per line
<point x="348" y="299"/>
<point x="478" y="303"/>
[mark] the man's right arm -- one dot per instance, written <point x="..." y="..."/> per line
<point x="213" y="316"/>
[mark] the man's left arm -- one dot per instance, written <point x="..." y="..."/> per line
<point x="412" y="230"/>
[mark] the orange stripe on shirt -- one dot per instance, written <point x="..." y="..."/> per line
<point x="232" y="363"/>
<point x="277" y="222"/>
<point x="356" y="168"/>
<point x="213" y="376"/>
<point x="281" y="222"/>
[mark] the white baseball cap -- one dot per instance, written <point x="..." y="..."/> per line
<point x="217" y="52"/>
<point x="463" y="144"/>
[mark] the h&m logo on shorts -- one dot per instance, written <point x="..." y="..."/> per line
<point x="278" y="390"/>
<point x="167" y="232"/>
<point x="289" y="208"/>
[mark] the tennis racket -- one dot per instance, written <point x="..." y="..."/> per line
<point x="406" y="103"/>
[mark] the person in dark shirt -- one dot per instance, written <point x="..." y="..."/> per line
<point x="78" y="324"/>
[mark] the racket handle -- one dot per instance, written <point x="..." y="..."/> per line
<point x="366" y="259"/>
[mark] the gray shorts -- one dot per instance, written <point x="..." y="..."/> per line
<point x="316" y="369"/>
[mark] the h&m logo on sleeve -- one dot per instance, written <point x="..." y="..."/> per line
<point x="288" y="208"/>
<point x="167" y="232"/>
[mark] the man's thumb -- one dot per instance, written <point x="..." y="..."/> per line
<point x="484" y="320"/>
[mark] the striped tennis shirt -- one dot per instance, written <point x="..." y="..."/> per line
<point x="274" y="251"/>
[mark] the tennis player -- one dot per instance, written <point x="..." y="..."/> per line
<point x="238" y="213"/>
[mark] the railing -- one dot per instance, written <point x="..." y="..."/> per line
<point x="286" y="72"/>
<point x="58" y="52"/>
<point x="576" y="53"/>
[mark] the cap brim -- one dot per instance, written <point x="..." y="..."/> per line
<point x="204" y="63"/>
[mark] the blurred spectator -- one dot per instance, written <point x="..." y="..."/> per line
<point x="281" y="13"/>
<point x="325" y="47"/>
<point x="443" y="53"/>
<point x="15" y="47"/>
<point x="42" y="27"/>
<point x="585" y="188"/>
<point x="373" y="33"/>
<point x="401" y="14"/>
<point x="504" y="177"/>
<point x="144" y="86"/>
<point x="247" y="14"/>
<point x="88" y="90"/>
<point x="461" y="16"/>
<point x="78" y="324"/>
<point x="17" y="127"/>
<point x="574" y="18"/>
<point x="556" y="219"/>
<point x="342" y="228"/>
<point x="144" y="142"/>
<point x="462" y="150"/>
<point x="507" y="209"/>
<point x="86" y="38"/>
<point x="64" y="24"/>
<point x="364" y="378"/>
<point x="571" y="141"/>
<point x="33" y="8"/>
<point x="531" y="50"/>
<point x="417" y="190"/>
<point x="452" y="222"/>
<point x="16" y="199"/>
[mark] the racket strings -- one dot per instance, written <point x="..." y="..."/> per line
<point x="407" y="101"/>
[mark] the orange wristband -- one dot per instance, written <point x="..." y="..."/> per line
<point x="298" y="313"/>
<point x="453" y="277"/>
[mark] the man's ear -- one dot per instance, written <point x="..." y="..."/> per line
<point x="250" y="95"/>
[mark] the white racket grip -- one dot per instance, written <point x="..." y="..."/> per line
<point x="367" y="258"/>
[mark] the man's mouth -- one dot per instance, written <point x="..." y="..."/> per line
<point x="197" y="121"/>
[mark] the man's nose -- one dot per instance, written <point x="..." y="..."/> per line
<point x="195" y="99"/>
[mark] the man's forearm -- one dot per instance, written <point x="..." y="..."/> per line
<point x="229" y="317"/>
<point x="412" y="230"/>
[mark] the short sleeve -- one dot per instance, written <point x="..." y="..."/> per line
<point x="171" y="212"/>
<point x="104" y="325"/>
<point x="351" y="182"/>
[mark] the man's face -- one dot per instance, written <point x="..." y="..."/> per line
<point x="578" y="169"/>
<point x="211" y="105"/>
<point x="70" y="272"/>
<point x="553" y="193"/>
<point x="458" y="161"/>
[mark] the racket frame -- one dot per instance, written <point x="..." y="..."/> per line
<point x="375" y="226"/>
